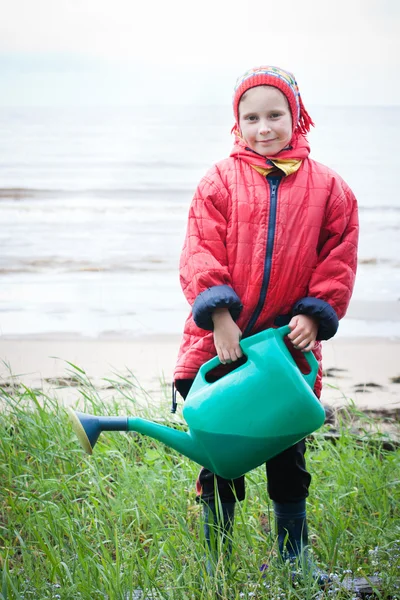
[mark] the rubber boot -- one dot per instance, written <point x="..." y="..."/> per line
<point x="292" y="530"/>
<point x="218" y="524"/>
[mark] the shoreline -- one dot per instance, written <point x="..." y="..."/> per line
<point x="58" y="321"/>
<point x="359" y="370"/>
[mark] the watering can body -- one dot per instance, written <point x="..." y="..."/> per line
<point x="239" y="421"/>
<point x="256" y="411"/>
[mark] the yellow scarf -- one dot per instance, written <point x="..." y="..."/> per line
<point x="287" y="165"/>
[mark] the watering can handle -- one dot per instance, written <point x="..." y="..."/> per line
<point x="283" y="331"/>
<point x="309" y="356"/>
<point x="208" y="366"/>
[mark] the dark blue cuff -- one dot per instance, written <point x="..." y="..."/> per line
<point x="321" y="310"/>
<point x="218" y="296"/>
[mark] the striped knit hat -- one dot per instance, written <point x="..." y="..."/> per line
<point x="285" y="82"/>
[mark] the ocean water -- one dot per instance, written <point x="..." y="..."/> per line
<point x="94" y="202"/>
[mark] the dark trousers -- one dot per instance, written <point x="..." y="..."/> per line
<point x="287" y="477"/>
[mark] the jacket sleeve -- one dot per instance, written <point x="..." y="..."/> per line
<point x="204" y="274"/>
<point x="331" y="284"/>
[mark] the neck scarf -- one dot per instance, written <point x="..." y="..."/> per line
<point x="287" y="160"/>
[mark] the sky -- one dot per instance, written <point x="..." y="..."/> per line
<point x="135" y="52"/>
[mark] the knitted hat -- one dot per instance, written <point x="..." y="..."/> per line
<point x="285" y="82"/>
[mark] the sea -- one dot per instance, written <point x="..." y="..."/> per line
<point x="94" y="202"/>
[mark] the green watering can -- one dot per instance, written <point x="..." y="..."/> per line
<point x="238" y="422"/>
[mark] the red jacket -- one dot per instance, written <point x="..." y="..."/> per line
<point x="267" y="248"/>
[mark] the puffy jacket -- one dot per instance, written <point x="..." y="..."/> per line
<point x="267" y="248"/>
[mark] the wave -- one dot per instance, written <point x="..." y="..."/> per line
<point x="385" y="208"/>
<point x="22" y="193"/>
<point x="372" y="261"/>
<point x="43" y="194"/>
<point x="106" y="163"/>
<point x="42" y="265"/>
<point x="145" y="265"/>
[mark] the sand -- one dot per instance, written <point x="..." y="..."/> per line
<point x="357" y="370"/>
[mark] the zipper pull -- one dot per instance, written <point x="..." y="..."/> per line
<point x="274" y="185"/>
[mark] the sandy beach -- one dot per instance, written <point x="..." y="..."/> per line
<point x="359" y="370"/>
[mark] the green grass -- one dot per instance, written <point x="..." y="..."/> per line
<point x="103" y="527"/>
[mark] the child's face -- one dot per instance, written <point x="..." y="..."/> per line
<point x="265" y="119"/>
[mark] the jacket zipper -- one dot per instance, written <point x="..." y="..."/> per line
<point x="273" y="203"/>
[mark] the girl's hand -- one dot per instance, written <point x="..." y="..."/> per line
<point x="304" y="332"/>
<point x="227" y="336"/>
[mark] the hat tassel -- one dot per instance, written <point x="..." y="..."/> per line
<point x="305" y="121"/>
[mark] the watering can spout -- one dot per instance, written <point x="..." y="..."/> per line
<point x="181" y="441"/>
<point x="88" y="428"/>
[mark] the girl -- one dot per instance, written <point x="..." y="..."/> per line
<point x="271" y="240"/>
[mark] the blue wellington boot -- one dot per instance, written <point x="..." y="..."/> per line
<point x="291" y="525"/>
<point x="218" y="524"/>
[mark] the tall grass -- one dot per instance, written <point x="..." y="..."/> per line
<point x="124" y="523"/>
